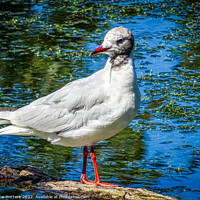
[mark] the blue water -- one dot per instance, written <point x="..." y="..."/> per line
<point x="160" y="150"/>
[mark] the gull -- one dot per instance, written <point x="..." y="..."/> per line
<point x="87" y="110"/>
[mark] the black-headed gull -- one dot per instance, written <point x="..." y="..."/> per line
<point x="87" y="110"/>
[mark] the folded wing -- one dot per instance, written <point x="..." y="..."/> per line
<point x="74" y="106"/>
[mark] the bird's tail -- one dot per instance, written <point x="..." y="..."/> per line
<point x="5" y="117"/>
<point x="4" y="121"/>
<point x="16" y="130"/>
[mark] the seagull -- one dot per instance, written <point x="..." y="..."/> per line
<point x="87" y="110"/>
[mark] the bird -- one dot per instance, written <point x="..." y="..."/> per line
<point x="87" y="110"/>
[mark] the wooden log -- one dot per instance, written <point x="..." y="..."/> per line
<point x="27" y="177"/>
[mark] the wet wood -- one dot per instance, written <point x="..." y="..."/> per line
<point x="27" y="177"/>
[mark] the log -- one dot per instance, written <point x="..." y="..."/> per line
<point x="29" y="177"/>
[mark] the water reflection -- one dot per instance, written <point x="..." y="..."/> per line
<point x="45" y="44"/>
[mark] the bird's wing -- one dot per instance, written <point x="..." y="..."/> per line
<point x="67" y="109"/>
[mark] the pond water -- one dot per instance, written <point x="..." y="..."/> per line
<point x="45" y="44"/>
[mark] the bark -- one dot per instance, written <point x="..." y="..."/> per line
<point x="29" y="177"/>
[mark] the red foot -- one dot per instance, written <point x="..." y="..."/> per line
<point x="87" y="182"/>
<point x="83" y="176"/>
<point x="106" y="184"/>
<point x="102" y="184"/>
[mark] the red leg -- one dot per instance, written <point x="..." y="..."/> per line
<point x="83" y="176"/>
<point x="97" y="179"/>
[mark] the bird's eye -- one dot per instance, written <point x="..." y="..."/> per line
<point x="119" y="41"/>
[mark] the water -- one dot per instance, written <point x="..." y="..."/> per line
<point x="45" y="44"/>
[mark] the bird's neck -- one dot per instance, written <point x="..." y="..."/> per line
<point x="121" y="72"/>
<point x="120" y="60"/>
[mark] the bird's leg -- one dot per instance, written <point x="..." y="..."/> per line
<point x="93" y="158"/>
<point x="83" y="176"/>
<point x="97" y="179"/>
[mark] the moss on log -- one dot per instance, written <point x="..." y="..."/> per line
<point x="27" y="177"/>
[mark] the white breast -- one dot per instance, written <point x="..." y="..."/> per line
<point x="122" y="105"/>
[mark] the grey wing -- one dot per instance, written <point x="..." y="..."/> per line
<point x="67" y="109"/>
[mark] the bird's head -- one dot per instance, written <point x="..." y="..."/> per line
<point x="118" y="41"/>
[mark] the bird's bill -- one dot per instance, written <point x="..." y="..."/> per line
<point x="98" y="50"/>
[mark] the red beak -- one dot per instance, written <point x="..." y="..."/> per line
<point x="98" y="50"/>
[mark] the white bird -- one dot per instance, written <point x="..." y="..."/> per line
<point x="87" y="110"/>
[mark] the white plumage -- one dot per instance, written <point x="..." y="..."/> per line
<point x="87" y="110"/>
